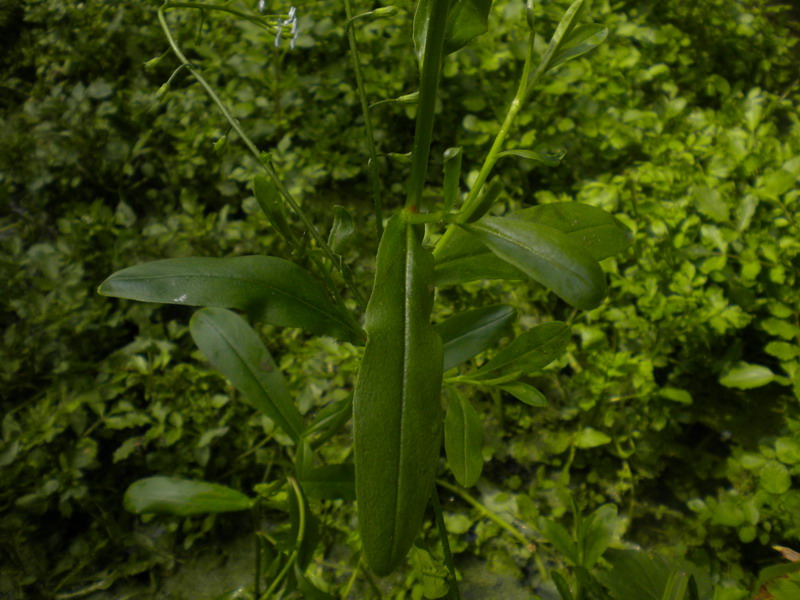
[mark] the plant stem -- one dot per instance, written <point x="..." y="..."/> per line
<point x="492" y="516"/>
<point x="448" y="556"/>
<point x="234" y="123"/>
<point x="372" y="164"/>
<point x="426" y="107"/>
<point x="524" y="89"/>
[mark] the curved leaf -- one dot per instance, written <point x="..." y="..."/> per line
<point x="581" y="40"/>
<point x="467" y="334"/>
<point x="551" y="159"/>
<point x="528" y="352"/>
<point x="182" y="497"/>
<point x="525" y="393"/>
<point x="466" y="20"/>
<point x="342" y="230"/>
<point x="269" y="289"/>
<point x="397" y="414"/>
<point x="597" y="232"/>
<point x="746" y="376"/>
<point x="232" y="346"/>
<point x="463" y="440"/>
<point x="546" y="255"/>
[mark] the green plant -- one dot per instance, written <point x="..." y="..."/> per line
<point x="396" y="407"/>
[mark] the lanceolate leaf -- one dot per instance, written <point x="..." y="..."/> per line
<point x="525" y="393"/>
<point x="232" y="346"/>
<point x="528" y="352"/>
<point x="342" y="230"/>
<point x="546" y="255"/>
<point x="397" y="413"/>
<point x="182" y="497"/>
<point x="463" y="439"/>
<point x="593" y="229"/>
<point x="270" y="289"/>
<point x="563" y="32"/>
<point x="581" y="40"/>
<point x="467" y="334"/>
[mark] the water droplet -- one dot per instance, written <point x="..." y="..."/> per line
<point x="181" y="298"/>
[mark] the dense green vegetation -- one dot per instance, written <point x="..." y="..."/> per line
<point x="676" y="401"/>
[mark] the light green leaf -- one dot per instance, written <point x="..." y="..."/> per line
<point x="232" y="346"/>
<point x="269" y="289"/>
<point x="466" y="20"/>
<point x="463" y="440"/>
<point x="745" y="376"/>
<point x="433" y="573"/>
<point x="525" y="393"/>
<point x="560" y="539"/>
<point x="775" y="478"/>
<point x="581" y="40"/>
<point x="547" y="256"/>
<point x="528" y="352"/>
<point x="182" y="497"/>
<point x="467" y="334"/>
<point x="676" y="395"/>
<point x="595" y="534"/>
<point x="562" y="34"/>
<point x="551" y="159"/>
<point x="342" y="229"/>
<point x="591" y="438"/>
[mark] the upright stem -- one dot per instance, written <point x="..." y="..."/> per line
<point x="234" y="123"/>
<point x="372" y="165"/>
<point x="426" y="107"/>
<point x="448" y="556"/>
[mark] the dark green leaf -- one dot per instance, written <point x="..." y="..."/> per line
<point x="182" y="497"/>
<point x="528" y="352"/>
<point x="589" y="583"/>
<point x="304" y="531"/>
<point x="270" y="289"/>
<point x="232" y="346"/>
<point x="551" y="159"/>
<point x="342" y="230"/>
<point x="489" y="195"/>
<point x="562" y="33"/>
<point x="562" y="586"/>
<point x="466" y="20"/>
<point x="465" y="259"/>
<point x="463" y="440"/>
<point x="270" y="201"/>
<point x="636" y="575"/>
<point x="330" y="482"/>
<point x="546" y="255"/>
<point x="397" y="413"/>
<point x="467" y="334"/>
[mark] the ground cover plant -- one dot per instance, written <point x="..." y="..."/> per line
<point x="671" y="402"/>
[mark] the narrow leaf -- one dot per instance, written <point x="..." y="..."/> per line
<point x="560" y="539"/>
<point x="232" y="346"/>
<point x="595" y="534"/>
<point x="397" y="415"/>
<point x="583" y="39"/>
<point x="546" y="255"/>
<point x="528" y="352"/>
<point x="467" y="334"/>
<point x="182" y="498"/>
<point x="489" y="196"/>
<point x="342" y="229"/>
<point x="562" y="33"/>
<point x="677" y="586"/>
<point x="597" y="232"/>
<point x="463" y="440"/>
<point x="271" y="203"/>
<point x="525" y="393"/>
<point x="550" y="159"/>
<point x="269" y="289"/>
<point x="562" y="586"/>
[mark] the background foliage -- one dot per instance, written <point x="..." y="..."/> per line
<point x="677" y="400"/>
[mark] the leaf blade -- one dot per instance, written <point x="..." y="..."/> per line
<point x="233" y="348"/>
<point x="182" y="497"/>
<point x="467" y="334"/>
<point x="463" y="440"/>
